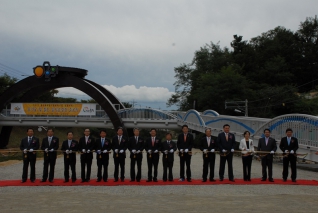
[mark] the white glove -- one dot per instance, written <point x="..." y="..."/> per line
<point x="186" y="150"/>
<point x="67" y="151"/>
<point x="171" y="150"/>
<point x="105" y="151"/>
<point x="133" y="151"/>
<point x="149" y="151"/>
<point x="156" y="151"/>
<point x="204" y="151"/>
<point x="272" y="152"/>
<point x="52" y="150"/>
<point x="286" y="151"/>
<point x="31" y="150"/>
<point x="83" y="150"/>
<point x="181" y="150"/>
<point x="88" y="151"/>
<point x="71" y="151"/>
<point x="46" y="150"/>
<point x="232" y="150"/>
<point x="98" y="151"/>
<point x="121" y="151"/>
<point x="166" y="152"/>
<point x="212" y="150"/>
<point x="138" y="151"/>
<point x="25" y="151"/>
<point x="116" y="150"/>
<point x="223" y="150"/>
<point x="291" y="151"/>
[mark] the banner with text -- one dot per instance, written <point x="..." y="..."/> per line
<point x="59" y="109"/>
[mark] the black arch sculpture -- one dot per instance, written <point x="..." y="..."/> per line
<point x="32" y="86"/>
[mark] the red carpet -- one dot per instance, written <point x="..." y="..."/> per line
<point x="59" y="182"/>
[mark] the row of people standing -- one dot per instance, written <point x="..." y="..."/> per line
<point x="225" y="143"/>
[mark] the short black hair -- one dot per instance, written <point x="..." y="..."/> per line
<point x="168" y="133"/>
<point x="153" y="129"/>
<point x="267" y="130"/>
<point x="208" y="129"/>
<point x="29" y="129"/>
<point x="50" y="129"/>
<point x="246" y="133"/>
<point x="102" y="130"/>
<point x="69" y="132"/>
<point x="185" y="126"/>
<point x="118" y="128"/>
<point x="135" y="129"/>
<point x="226" y="125"/>
<point x="289" y="129"/>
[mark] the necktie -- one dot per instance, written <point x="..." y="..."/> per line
<point x="103" y="142"/>
<point x="185" y="137"/>
<point x="226" y="136"/>
<point x="119" y="140"/>
<point x="69" y="143"/>
<point x="50" y="139"/>
<point x="153" y="141"/>
<point x="29" y="141"/>
<point x="136" y="138"/>
<point x="168" y="142"/>
<point x="266" y="139"/>
<point x="86" y="139"/>
<point x="288" y="140"/>
<point x="208" y="141"/>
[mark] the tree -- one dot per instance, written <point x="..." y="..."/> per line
<point x="6" y="81"/>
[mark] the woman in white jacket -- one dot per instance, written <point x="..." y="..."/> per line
<point x="247" y="147"/>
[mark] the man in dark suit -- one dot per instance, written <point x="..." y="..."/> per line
<point x="28" y="145"/>
<point x="49" y="144"/>
<point x="168" y="149"/>
<point x="69" y="147"/>
<point x="136" y="146"/>
<point x="153" y="146"/>
<point x="226" y="143"/>
<point x="208" y="146"/>
<point x="119" y="146"/>
<point x="185" y="144"/>
<point x="289" y="146"/>
<point x="267" y="144"/>
<point x="103" y="147"/>
<point x="86" y="146"/>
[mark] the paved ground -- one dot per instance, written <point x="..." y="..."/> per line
<point x="210" y="198"/>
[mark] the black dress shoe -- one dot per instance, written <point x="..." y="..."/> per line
<point x="132" y="180"/>
<point x="170" y="180"/>
<point x="23" y="181"/>
<point x="204" y="180"/>
<point x="155" y="180"/>
<point x="42" y="181"/>
<point x="164" y="180"/>
<point x="212" y="180"/>
<point x="263" y="179"/>
<point x="271" y="180"/>
<point x="33" y="181"/>
<point x="232" y="180"/>
<point x="51" y="181"/>
<point x="284" y="180"/>
<point x="122" y="180"/>
<point x="148" y="180"/>
<point x="83" y="181"/>
<point x="98" y="180"/>
<point x="66" y="181"/>
<point x="138" y="180"/>
<point x="73" y="181"/>
<point x="221" y="179"/>
<point x="87" y="180"/>
<point x="248" y="179"/>
<point x="116" y="180"/>
<point x="105" y="180"/>
<point x="294" y="180"/>
<point x="189" y="180"/>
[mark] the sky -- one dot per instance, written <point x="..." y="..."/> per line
<point x="131" y="47"/>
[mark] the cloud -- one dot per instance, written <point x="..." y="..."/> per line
<point x="127" y="93"/>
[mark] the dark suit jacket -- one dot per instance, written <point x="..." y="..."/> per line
<point x="223" y="144"/>
<point x="54" y="145"/>
<point x="137" y="145"/>
<point x="204" y="145"/>
<point x="165" y="146"/>
<point x="292" y="146"/>
<point x="188" y="144"/>
<point x="73" y="147"/>
<point x="122" y="146"/>
<point x="271" y="146"/>
<point x="157" y="145"/>
<point x="35" y="144"/>
<point x="107" y="146"/>
<point x="90" y="145"/>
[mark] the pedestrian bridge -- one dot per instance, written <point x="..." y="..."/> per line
<point x="304" y="126"/>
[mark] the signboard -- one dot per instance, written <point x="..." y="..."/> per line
<point x="58" y="109"/>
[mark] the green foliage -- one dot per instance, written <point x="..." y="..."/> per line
<point x="5" y="82"/>
<point x="269" y="71"/>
